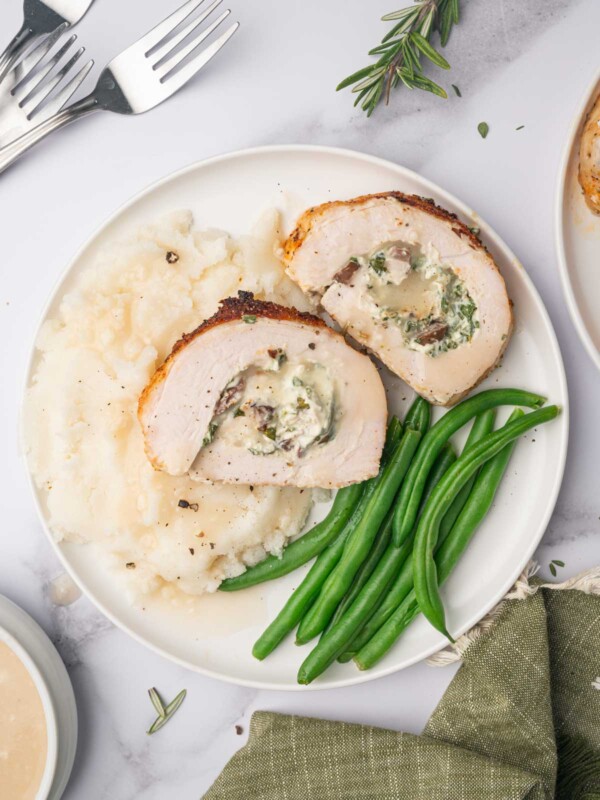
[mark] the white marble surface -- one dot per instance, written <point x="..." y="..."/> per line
<point x="517" y="62"/>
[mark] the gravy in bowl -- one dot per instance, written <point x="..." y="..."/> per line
<point x="23" y="730"/>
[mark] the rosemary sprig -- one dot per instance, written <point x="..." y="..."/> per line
<point x="401" y="51"/>
<point x="164" y="712"/>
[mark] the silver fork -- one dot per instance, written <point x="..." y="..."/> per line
<point x="40" y="84"/>
<point x="144" y="75"/>
<point x="41" y="18"/>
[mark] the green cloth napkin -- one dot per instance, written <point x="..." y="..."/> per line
<point x="521" y="719"/>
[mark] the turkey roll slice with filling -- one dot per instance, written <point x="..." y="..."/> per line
<point x="409" y="281"/>
<point x="262" y="394"/>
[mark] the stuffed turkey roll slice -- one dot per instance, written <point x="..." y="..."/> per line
<point x="262" y="394"/>
<point x="409" y="281"/>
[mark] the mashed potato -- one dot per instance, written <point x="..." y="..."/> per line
<point x="83" y="439"/>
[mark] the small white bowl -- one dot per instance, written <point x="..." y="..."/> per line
<point x="43" y="663"/>
<point x="48" y="706"/>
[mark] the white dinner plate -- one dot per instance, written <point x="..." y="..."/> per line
<point x="228" y="192"/>
<point x="578" y="237"/>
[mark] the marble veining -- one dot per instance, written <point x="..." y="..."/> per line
<point x="517" y="62"/>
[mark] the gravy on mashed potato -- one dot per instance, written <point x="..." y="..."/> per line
<point x="23" y="735"/>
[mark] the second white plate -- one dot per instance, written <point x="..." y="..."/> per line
<point x="578" y="237"/>
<point x="227" y="192"/>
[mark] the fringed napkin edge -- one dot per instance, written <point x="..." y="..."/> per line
<point x="587" y="582"/>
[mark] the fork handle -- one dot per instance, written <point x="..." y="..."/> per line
<point x="15" y="48"/>
<point x="11" y="152"/>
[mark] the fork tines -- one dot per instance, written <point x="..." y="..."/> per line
<point x="171" y="43"/>
<point x="44" y="70"/>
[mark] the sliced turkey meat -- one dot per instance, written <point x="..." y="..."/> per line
<point x="410" y="282"/>
<point x="262" y="394"/>
<point x="589" y="159"/>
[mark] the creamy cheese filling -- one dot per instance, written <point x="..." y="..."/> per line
<point x="411" y="288"/>
<point x="276" y="407"/>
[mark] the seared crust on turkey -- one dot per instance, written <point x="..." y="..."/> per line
<point x="409" y="281"/>
<point x="264" y="394"/>
<point x="230" y="309"/>
<point x="312" y="215"/>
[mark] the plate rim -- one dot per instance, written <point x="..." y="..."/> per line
<point x="359" y="677"/>
<point x="560" y="212"/>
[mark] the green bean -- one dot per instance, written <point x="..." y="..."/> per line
<point x="360" y="542"/>
<point x="483" y="424"/>
<point x="303" y="549"/>
<point x="409" y="500"/>
<point x="427" y="533"/>
<point x="477" y="506"/>
<point x="295" y="608"/>
<point x="446" y="458"/>
<point x="419" y="415"/>
<point x="380" y="545"/>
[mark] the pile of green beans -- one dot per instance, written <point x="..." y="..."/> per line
<point x="427" y="534"/>
<point x="392" y="592"/>
<point x="403" y="583"/>
<point x="477" y="506"/>
<point x="387" y="545"/>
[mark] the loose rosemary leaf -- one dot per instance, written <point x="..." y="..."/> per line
<point x="157" y="702"/>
